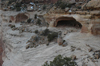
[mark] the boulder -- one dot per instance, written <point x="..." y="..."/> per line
<point x="67" y="9"/>
<point x="64" y="44"/>
<point x="90" y="49"/>
<point x="64" y="33"/>
<point x="59" y="41"/>
<point x="51" y="24"/>
<point x="95" y="30"/>
<point x="73" y="57"/>
<point x="96" y="56"/>
<point x="73" y="48"/>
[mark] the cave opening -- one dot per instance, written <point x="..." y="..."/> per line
<point x="69" y="23"/>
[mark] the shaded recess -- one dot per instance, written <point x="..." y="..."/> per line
<point x="67" y="21"/>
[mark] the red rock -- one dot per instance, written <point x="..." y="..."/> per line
<point x="21" y="17"/>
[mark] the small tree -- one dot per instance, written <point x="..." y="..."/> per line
<point x="38" y="22"/>
<point x="35" y="17"/>
<point x="17" y="6"/>
<point x="60" y="61"/>
<point x="79" y="7"/>
<point x="29" y="20"/>
<point x="25" y="6"/>
<point x="36" y="38"/>
<point x="45" y="32"/>
<point x="12" y="26"/>
<point x="52" y="36"/>
<point x="58" y="3"/>
<point x="63" y="5"/>
<point x="11" y="1"/>
<point x="47" y="25"/>
<point x="18" y="9"/>
<point x="36" y="31"/>
<point x="44" y="7"/>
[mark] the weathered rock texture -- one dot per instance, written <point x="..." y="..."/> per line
<point x="21" y="17"/>
<point x="93" y="5"/>
<point x="89" y="22"/>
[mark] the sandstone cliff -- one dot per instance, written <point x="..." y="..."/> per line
<point x="93" y="4"/>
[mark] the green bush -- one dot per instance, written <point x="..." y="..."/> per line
<point x="60" y="61"/>
<point x="35" y="16"/>
<point x="62" y="5"/>
<point x="44" y="7"/>
<point x="10" y="2"/>
<point x="69" y="5"/>
<point x="18" y="9"/>
<point x="25" y="6"/>
<point x="79" y="7"/>
<point x="12" y="26"/>
<point x="29" y="20"/>
<point x="36" y="38"/>
<point x="45" y="32"/>
<point x="52" y="36"/>
<point x="58" y="3"/>
<point x="13" y="8"/>
<point x="17" y="6"/>
<point x="38" y="22"/>
<point x="36" y="31"/>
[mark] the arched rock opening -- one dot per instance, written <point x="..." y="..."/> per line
<point x="67" y="21"/>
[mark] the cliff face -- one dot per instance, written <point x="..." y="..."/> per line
<point x="93" y="4"/>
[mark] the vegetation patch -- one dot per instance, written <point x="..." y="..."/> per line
<point x="45" y="32"/>
<point x="44" y="7"/>
<point x="12" y="26"/>
<point x="60" y="61"/>
<point x="36" y="31"/>
<point x="29" y="20"/>
<point x="52" y="36"/>
<point x="38" y="22"/>
<point x="62" y="5"/>
<point x="11" y="1"/>
<point x="35" y="16"/>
